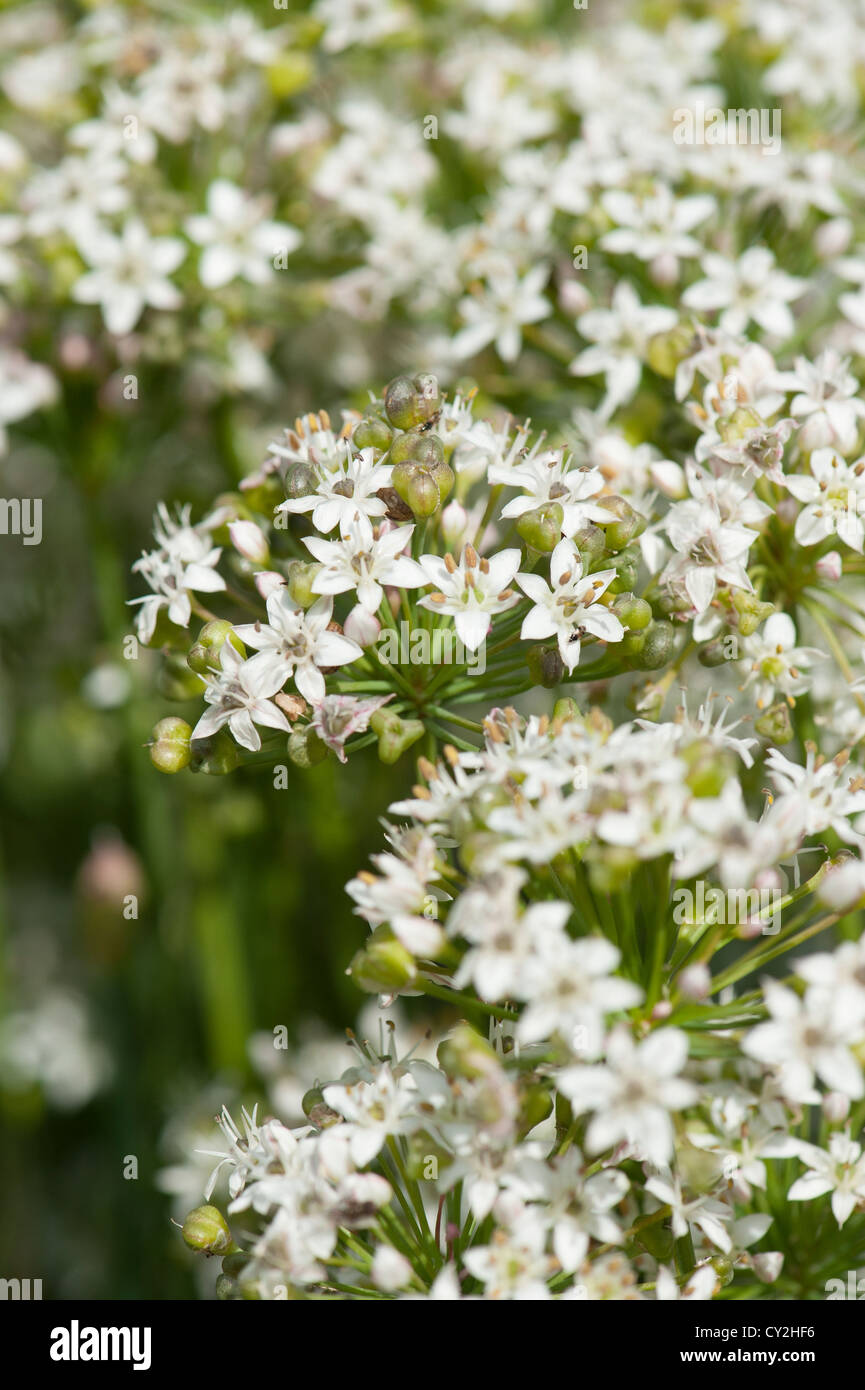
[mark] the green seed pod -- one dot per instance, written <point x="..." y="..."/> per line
<point x="417" y="488"/>
<point x="632" y="612"/>
<point x="590" y="542"/>
<point x="545" y="664"/>
<point x="738" y="423"/>
<point x="750" y="610"/>
<point x="412" y="401"/>
<point x="226" y="1289"/>
<point x="170" y="750"/>
<point x="667" y="350"/>
<point x="214" y="756"/>
<point x="542" y="528"/>
<point x="658" y="647"/>
<point x="301" y="574"/>
<point x="305" y="748"/>
<point x="628" y="525"/>
<point x="206" y="1229"/>
<point x="626" y="564"/>
<point x="316" y="1109"/>
<point x="372" y="433"/>
<point x="465" y="1055"/>
<point x="775" y="724"/>
<point x="395" y="735"/>
<point x="536" y="1103"/>
<point x="204" y="656"/>
<point x="566" y="709"/>
<point x="383" y="964"/>
<point x="713" y="654"/>
<point x="300" y="480"/>
<point x="175" y="681"/>
<point x="234" y="1265"/>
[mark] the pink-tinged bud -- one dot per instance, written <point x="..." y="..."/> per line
<point x="787" y="510"/>
<point x="362" y="627"/>
<point x="574" y="298"/>
<point x="696" y="981"/>
<point x="249" y="541"/>
<point x="832" y="238"/>
<point x="836" y="1107"/>
<point x="767" y="1266"/>
<point x="454" y="520"/>
<point x="664" y="269"/>
<point x="829" y="566"/>
<point x="662" y="1010"/>
<point x="267" y="582"/>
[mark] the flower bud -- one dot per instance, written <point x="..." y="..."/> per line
<point x="545" y="664"/>
<point x="383" y="965"/>
<point x="395" y="735"/>
<point x="454" y="523"/>
<point x="362" y="627"/>
<point x="695" y="981"/>
<point x="206" y="1229"/>
<point x="170" y="749"/>
<point x="836" y="1107"/>
<point x="174" y="679"/>
<point x="833" y="237"/>
<point x="411" y="401"/>
<point x="301" y="574"/>
<point x="267" y="582"/>
<point x="767" y="1265"/>
<point x="775" y="724"/>
<point x="249" y="541"/>
<point x="305" y="748"/>
<point x="542" y="528"/>
<point x="829" y="567"/>
<point x="204" y="655"/>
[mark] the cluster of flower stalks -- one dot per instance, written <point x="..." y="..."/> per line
<point x="652" y="1092"/>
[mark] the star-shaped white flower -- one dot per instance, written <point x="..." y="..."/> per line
<point x="129" y="272"/>
<point x="239" y="696"/>
<point x="363" y="561"/>
<point x="297" y="643"/>
<point x="471" y="590"/>
<point x="570" y="608"/>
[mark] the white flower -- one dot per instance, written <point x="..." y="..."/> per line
<point x="746" y="290"/>
<point x="570" y="988"/>
<point x="239" y="240"/>
<point x="239" y="697"/>
<point x="184" y="563"/>
<point x="570" y="608"/>
<point x="700" y="1287"/>
<point x="373" y="1108"/>
<point x="25" y="386"/>
<point x="709" y="550"/>
<point x="706" y="1213"/>
<point x="337" y="717"/>
<point x="549" y="477"/>
<point x="363" y="561"/>
<point x="497" y="313"/>
<point x="350" y="486"/>
<point x="620" y="336"/>
<point x="773" y="662"/>
<point x="514" y="1264"/>
<point x="834" y="494"/>
<point x="129" y="272"/>
<point x="295" y="643"/>
<point x="827" y="399"/>
<point x="804" y="1037"/>
<point x="471" y="590"/>
<point x="841" y="1171"/>
<point x="655" y="228"/>
<point x="633" y="1094"/>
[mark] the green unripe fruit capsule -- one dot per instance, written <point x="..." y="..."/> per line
<point x="750" y="610"/>
<point x="383" y="964"/>
<point x="667" y="350"/>
<point x="395" y="735"/>
<point x="545" y="664"/>
<point x="233" y="1265"/>
<point x="566" y="709"/>
<point x="466" y="1055"/>
<point x="300" y="480"/>
<point x="301" y="574"/>
<point x="633" y="613"/>
<point x="226" y="1289"/>
<point x="658" y="646"/>
<point x="713" y="654"/>
<point x="589" y="541"/>
<point x="216" y="756"/>
<point x="372" y="433"/>
<point x="542" y="528"/>
<point x="206" y="1229"/>
<point x="775" y="724"/>
<point x="417" y="488"/>
<point x="633" y="643"/>
<point x="170" y="750"/>
<point x="175" y="681"/>
<point x="626" y="564"/>
<point x="536" y="1103"/>
<point x="626" y="527"/>
<point x="305" y="748"/>
<point x="204" y="656"/>
<point x="412" y="401"/>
